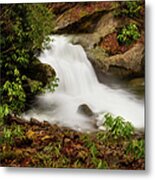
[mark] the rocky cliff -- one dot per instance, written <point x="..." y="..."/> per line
<point x="95" y="25"/>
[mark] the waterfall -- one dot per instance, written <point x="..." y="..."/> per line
<point x="79" y="85"/>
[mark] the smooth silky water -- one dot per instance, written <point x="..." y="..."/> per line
<point x="78" y="84"/>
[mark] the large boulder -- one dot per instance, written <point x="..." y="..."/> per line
<point x="132" y="60"/>
<point x="128" y="63"/>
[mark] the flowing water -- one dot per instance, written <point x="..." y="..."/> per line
<point x="79" y="85"/>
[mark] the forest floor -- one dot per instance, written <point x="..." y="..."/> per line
<point x="39" y="144"/>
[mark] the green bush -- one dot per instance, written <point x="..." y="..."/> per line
<point x="24" y="28"/>
<point x="136" y="148"/>
<point x="128" y="34"/>
<point x="52" y="85"/>
<point x="8" y="135"/>
<point x="130" y="9"/>
<point x="115" y="128"/>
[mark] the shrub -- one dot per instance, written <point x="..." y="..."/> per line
<point x="128" y="34"/>
<point x="115" y="127"/>
<point x="8" y="135"/>
<point x="24" y="28"/>
<point x="136" y="148"/>
<point x="130" y="9"/>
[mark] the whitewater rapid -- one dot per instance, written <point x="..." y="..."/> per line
<point x="78" y="85"/>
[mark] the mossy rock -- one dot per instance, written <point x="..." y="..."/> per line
<point x="41" y="72"/>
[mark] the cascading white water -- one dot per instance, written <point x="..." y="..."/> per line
<point x="79" y="85"/>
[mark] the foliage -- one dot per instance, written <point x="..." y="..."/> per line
<point x="115" y="127"/>
<point x="136" y="148"/>
<point x="44" y="145"/>
<point x="130" y="9"/>
<point x="4" y="111"/>
<point x="99" y="163"/>
<point x="35" y="86"/>
<point x="52" y="85"/>
<point x="9" y="134"/>
<point x="24" y="28"/>
<point x="128" y="34"/>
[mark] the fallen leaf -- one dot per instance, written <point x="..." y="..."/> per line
<point x="45" y="137"/>
<point x="18" y="151"/>
<point x="30" y="134"/>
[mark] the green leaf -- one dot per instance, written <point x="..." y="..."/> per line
<point x="16" y="72"/>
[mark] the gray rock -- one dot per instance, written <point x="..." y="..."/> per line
<point x="34" y="121"/>
<point x="85" y="109"/>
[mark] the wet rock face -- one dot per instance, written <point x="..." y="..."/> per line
<point x="137" y="85"/>
<point x="138" y="82"/>
<point x="95" y="27"/>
